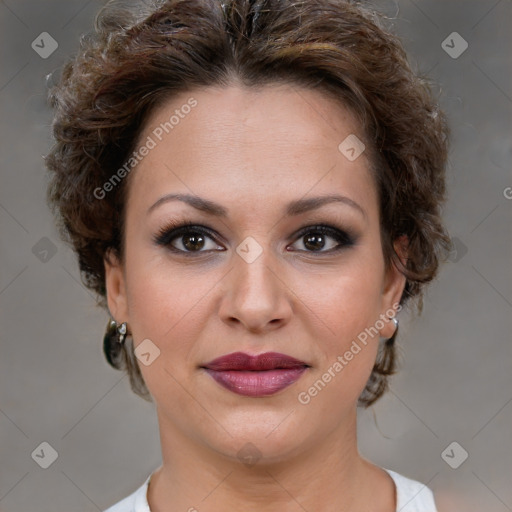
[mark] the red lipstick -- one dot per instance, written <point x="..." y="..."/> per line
<point x="255" y="376"/>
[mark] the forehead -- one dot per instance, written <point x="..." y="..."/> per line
<point x="277" y="141"/>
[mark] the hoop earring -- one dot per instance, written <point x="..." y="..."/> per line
<point x="115" y="333"/>
<point x="391" y="340"/>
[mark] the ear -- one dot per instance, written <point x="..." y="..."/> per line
<point x="116" y="288"/>
<point x="393" y="285"/>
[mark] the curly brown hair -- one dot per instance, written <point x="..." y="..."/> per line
<point x="140" y="55"/>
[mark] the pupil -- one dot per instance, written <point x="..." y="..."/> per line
<point x="315" y="239"/>
<point x="193" y="242"/>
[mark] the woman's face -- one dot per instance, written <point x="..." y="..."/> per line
<point x="252" y="279"/>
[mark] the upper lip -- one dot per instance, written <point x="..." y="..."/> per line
<point x="260" y="362"/>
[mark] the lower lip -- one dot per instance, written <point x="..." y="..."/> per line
<point x="257" y="383"/>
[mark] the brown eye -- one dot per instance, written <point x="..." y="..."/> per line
<point x="193" y="242"/>
<point x="316" y="238"/>
<point x="187" y="238"/>
<point x="189" y="241"/>
<point x="315" y="241"/>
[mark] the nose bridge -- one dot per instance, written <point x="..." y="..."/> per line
<point x="256" y="296"/>
<point x="253" y="263"/>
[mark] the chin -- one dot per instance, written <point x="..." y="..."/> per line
<point x="270" y="436"/>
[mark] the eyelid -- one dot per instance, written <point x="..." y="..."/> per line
<point x="329" y="230"/>
<point x="176" y="228"/>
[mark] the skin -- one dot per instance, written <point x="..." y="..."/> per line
<point x="254" y="151"/>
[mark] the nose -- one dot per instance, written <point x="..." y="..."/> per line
<point x="256" y="295"/>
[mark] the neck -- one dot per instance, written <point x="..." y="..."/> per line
<point x="324" y="476"/>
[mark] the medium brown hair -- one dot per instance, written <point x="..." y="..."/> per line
<point x="140" y="55"/>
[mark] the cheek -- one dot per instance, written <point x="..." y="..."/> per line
<point x="346" y="305"/>
<point x="347" y="300"/>
<point x="160" y="298"/>
<point x="156" y="313"/>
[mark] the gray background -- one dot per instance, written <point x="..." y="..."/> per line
<point x="456" y="379"/>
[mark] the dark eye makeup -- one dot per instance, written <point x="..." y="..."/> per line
<point x="176" y="229"/>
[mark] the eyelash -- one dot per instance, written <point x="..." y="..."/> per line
<point x="177" y="229"/>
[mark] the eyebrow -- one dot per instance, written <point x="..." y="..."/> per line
<point x="293" y="208"/>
